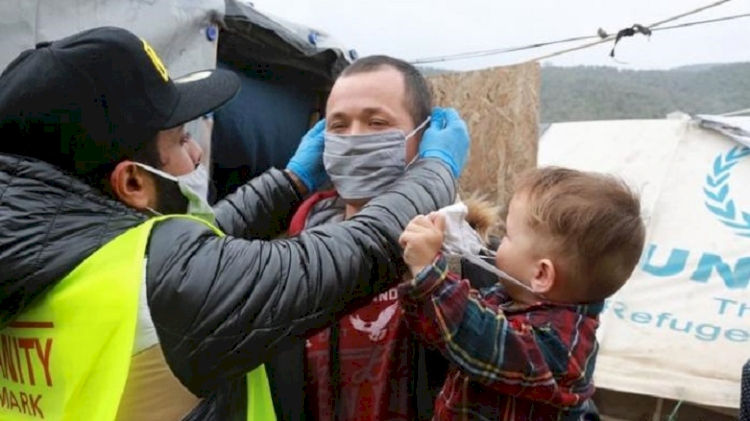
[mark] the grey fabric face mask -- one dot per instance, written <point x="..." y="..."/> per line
<point x="363" y="166"/>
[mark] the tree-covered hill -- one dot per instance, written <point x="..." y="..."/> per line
<point x="603" y="93"/>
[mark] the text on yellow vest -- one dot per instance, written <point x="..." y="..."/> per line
<point x="67" y="357"/>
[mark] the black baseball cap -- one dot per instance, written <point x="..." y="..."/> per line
<point x="112" y="84"/>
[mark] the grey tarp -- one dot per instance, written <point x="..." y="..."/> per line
<point x="176" y="29"/>
<point x="286" y="72"/>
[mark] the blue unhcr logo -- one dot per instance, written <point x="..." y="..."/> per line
<point x="733" y="273"/>
<point x="718" y="200"/>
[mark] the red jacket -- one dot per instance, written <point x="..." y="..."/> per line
<point x="368" y="366"/>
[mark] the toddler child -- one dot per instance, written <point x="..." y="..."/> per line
<point x="525" y="348"/>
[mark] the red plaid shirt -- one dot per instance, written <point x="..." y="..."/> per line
<point x="508" y="362"/>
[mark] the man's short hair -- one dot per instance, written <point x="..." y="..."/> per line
<point x="417" y="91"/>
<point x="590" y="222"/>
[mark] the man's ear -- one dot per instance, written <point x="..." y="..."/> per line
<point x="544" y="278"/>
<point x="133" y="186"/>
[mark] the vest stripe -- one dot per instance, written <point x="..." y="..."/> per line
<point x="67" y="357"/>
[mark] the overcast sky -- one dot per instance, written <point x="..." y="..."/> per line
<point x="414" y="29"/>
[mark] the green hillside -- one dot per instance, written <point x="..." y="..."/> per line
<point x="603" y="93"/>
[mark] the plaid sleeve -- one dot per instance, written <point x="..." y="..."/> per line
<point x="515" y="355"/>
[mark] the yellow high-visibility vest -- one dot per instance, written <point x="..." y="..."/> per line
<point x="67" y="356"/>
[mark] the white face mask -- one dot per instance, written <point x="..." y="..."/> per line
<point x="194" y="187"/>
<point x="363" y="166"/>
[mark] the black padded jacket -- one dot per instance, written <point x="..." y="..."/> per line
<point x="221" y="305"/>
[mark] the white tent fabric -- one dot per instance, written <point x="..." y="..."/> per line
<point x="680" y="328"/>
<point x="738" y="128"/>
<point x="177" y="29"/>
<point x="183" y="32"/>
<point x="308" y="40"/>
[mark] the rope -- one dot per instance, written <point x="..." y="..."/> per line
<point x="602" y="37"/>
<point x="652" y="26"/>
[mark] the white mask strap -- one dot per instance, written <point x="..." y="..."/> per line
<point x="421" y="126"/>
<point x="152" y="210"/>
<point x="155" y="171"/>
<point x="413" y="132"/>
<point x="499" y="273"/>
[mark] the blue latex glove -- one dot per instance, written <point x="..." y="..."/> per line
<point x="307" y="162"/>
<point x="447" y="139"/>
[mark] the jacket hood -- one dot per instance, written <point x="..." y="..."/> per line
<point x="483" y="216"/>
<point x="49" y="223"/>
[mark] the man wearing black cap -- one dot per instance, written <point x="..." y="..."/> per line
<point x="123" y="294"/>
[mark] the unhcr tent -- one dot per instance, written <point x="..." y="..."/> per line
<point x="679" y="331"/>
<point x="286" y="69"/>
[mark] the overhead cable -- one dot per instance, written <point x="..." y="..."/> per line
<point x="601" y="38"/>
<point x="652" y="27"/>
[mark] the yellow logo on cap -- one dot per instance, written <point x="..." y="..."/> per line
<point x="160" y="67"/>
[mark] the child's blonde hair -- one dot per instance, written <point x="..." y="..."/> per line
<point x="591" y="223"/>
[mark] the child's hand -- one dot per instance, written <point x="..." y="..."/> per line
<point x="422" y="240"/>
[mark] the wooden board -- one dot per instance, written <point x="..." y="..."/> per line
<point x="501" y="107"/>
